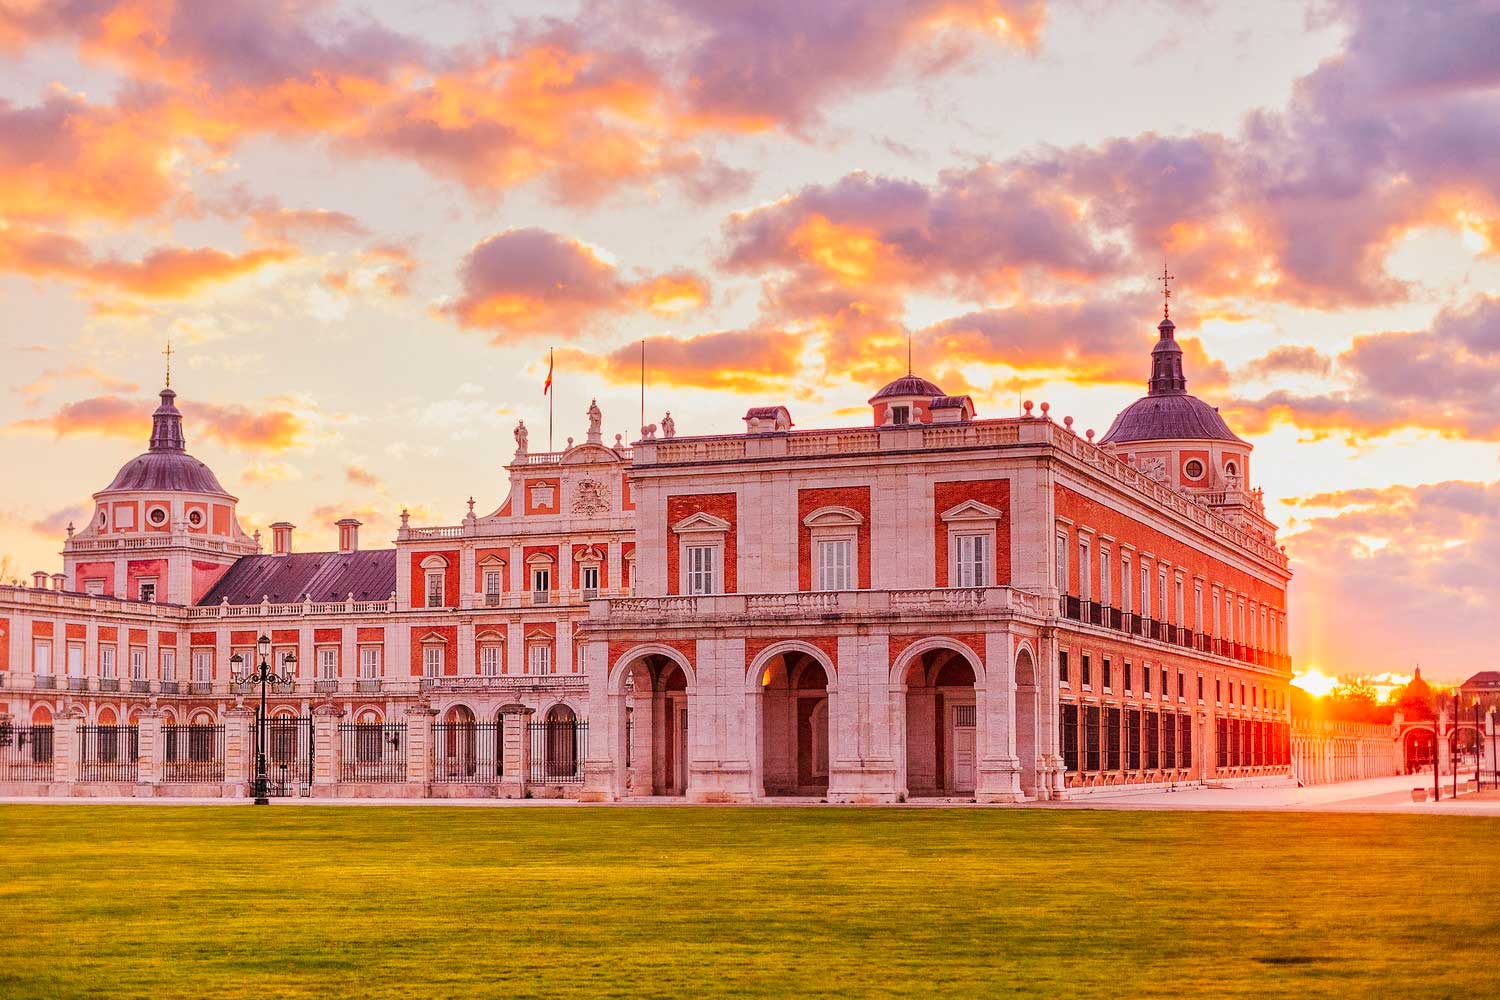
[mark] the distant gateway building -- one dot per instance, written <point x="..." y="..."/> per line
<point x="928" y="605"/>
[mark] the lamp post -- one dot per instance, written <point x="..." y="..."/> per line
<point x="1478" y="746"/>
<point x="263" y="674"/>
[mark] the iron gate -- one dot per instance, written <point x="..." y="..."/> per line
<point x="558" y="749"/>
<point x="289" y="755"/>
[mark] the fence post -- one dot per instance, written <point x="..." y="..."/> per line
<point x="67" y="750"/>
<point x="325" y="749"/>
<point x="239" y="750"/>
<point x="148" y="767"/>
<point x="419" y="720"/>
<point x="515" y="751"/>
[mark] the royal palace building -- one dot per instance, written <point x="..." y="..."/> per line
<point x="928" y="605"/>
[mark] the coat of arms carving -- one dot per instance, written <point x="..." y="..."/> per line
<point x="591" y="498"/>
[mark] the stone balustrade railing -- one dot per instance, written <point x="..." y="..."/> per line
<point x="815" y="604"/>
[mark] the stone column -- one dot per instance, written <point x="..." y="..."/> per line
<point x="1051" y="776"/>
<point x="606" y="715"/>
<point x="515" y="750"/>
<point x="419" y="719"/>
<point x="66" y="748"/>
<point x="326" y="719"/>
<point x="152" y="750"/>
<point x="239" y="751"/>
<point x="862" y="740"/>
<point x="997" y="770"/>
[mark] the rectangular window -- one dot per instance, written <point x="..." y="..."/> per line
<point x="328" y="663"/>
<point x="1185" y="742"/>
<point x="137" y="664"/>
<point x="973" y="560"/>
<point x="1218" y="690"/>
<point x="492" y="587"/>
<point x="369" y="662"/>
<point x="432" y="661"/>
<point x="94" y="588"/>
<point x="1062" y="563"/>
<point x="1125" y="584"/>
<point x="1145" y="590"/>
<point x="1091" y="738"/>
<point x="107" y="661"/>
<point x="489" y="660"/>
<point x="1125" y="675"/>
<point x="539" y="658"/>
<point x="75" y="659"/>
<point x="169" y="665"/>
<point x="1161" y="594"/>
<point x="41" y="658"/>
<point x="1062" y="665"/>
<point x="900" y="415"/>
<point x="1165" y="690"/>
<point x="1168" y="741"/>
<point x="1181" y="611"/>
<point x="834" y="558"/>
<point x="1069" y="725"/>
<point x="590" y="578"/>
<point x="1106" y="674"/>
<point x="1132" y="740"/>
<point x="541" y="584"/>
<point x="1084" y="590"/>
<point x="1218" y="625"/>
<point x="148" y="590"/>
<point x="1086" y="677"/>
<point x="1200" y="689"/>
<point x="1146" y="679"/>
<point x="701" y="576"/>
<point x="1197" y="607"/>
<point x="1104" y="596"/>
<point x="434" y="588"/>
<point x="1181" y="686"/>
<point x="1112" y="750"/>
<point x="1153" y="742"/>
<point x="203" y="666"/>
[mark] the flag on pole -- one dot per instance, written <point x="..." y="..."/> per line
<point x="548" y="386"/>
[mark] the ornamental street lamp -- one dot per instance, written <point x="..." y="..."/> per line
<point x="1478" y="747"/>
<point x="265" y="676"/>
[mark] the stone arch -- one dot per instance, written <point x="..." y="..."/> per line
<point x="755" y="674"/>
<point x="902" y="664"/>
<point x="41" y="715"/>
<point x="941" y="682"/>
<point x="1027" y="720"/>
<point x="368" y="714"/>
<point x="458" y="713"/>
<point x="651" y="689"/>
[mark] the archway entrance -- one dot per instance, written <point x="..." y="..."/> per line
<point x="656" y="727"/>
<point x="1026" y="722"/>
<point x="942" y="752"/>
<point x="794" y="726"/>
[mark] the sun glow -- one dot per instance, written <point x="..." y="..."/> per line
<point x="1315" y="682"/>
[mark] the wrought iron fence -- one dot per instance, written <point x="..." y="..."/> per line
<point x="372" y="751"/>
<point x="558" y="749"/>
<point x="289" y="755"/>
<point x="108" y="753"/>
<point x="468" y="752"/>
<point x="25" y="752"/>
<point x="192" y="753"/>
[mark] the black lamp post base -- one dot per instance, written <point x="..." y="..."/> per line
<point x="261" y="800"/>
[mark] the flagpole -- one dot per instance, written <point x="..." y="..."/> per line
<point x="551" y="396"/>
<point x="643" y="381"/>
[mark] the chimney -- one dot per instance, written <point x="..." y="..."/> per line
<point x="59" y="581"/>
<point x="281" y="538"/>
<point x="348" y="535"/>
<point x="39" y="580"/>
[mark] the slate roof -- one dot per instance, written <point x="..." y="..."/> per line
<point x="1484" y="679"/>
<point x="909" y="385"/>
<point x="325" y="576"/>
<point x="1168" y="418"/>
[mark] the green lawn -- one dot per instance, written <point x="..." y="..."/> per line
<point x="416" y="902"/>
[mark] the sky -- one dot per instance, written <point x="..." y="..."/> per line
<point x="363" y="226"/>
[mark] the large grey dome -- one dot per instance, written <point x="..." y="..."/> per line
<point x="1167" y="412"/>
<point x="909" y="385"/>
<point x="1173" y="417"/>
<point x="167" y="466"/>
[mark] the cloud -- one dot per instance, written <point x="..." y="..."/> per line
<point x="163" y="273"/>
<point x="1445" y="380"/>
<point x="55" y="524"/>
<point x="287" y="226"/>
<point x="360" y="476"/>
<point x="1286" y="360"/>
<point x="531" y="281"/>
<point x="743" y="361"/>
<point x="262" y="429"/>
<point x="1422" y="556"/>
<point x="52" y="378"/>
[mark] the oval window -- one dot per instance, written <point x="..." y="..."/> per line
<point x="195" y="518"/>
<point x="103" y="518"/>
<point x="158" y="515"/>
<point x="1193" y="469"/>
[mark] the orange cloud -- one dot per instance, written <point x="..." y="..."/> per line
<point x="669" y="294"/>
<point x="116" y="416"/>
<point x="742" y="361"/>
<point x="164" y="273"/>
<point x="360" y="476"/>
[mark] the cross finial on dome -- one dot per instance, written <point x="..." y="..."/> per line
<point x="168" y="353"/>
<point x="1166" y="292"/>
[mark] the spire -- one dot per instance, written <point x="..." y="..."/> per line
<point x="1166" y="357"/>
<point x="168" y="353"/>
<point x="166" y="425"/>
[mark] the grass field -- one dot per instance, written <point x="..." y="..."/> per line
<point x="562" y="902"/>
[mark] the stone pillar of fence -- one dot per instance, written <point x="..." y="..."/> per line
<point x="515" y="750"/>
<point x="67" y="749"/>
<point x="419" y="719"/>
<point x="152" y="745"/>
<point x="239" y="750"/>
<point x="325" y="749"/>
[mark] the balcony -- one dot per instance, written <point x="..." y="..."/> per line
<point x="109" y="684"/>
<point x="78" y="683"/>
<point x="541" y="597"/>
<point x="140" y="687"/>
<point x="200" y="687"/>
<point x="169" y="687"/>
<point x="492" y="600"/>
<point x="367" y="685"/>
<point x="822" y="605"/>
<point x="325" y="685"/>
<point x="44" y="682"/>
